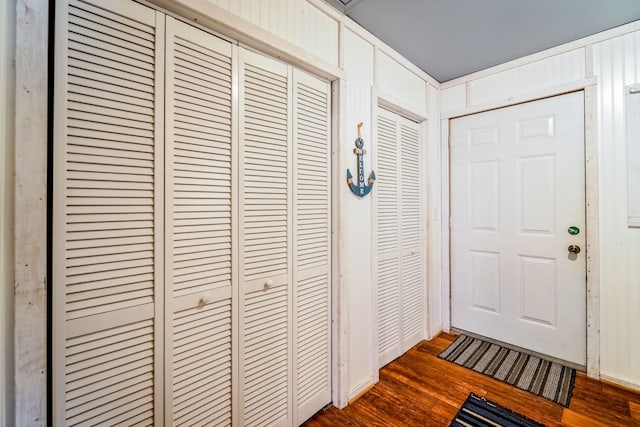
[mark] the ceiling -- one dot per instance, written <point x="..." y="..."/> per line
<point x="452" y="38"/>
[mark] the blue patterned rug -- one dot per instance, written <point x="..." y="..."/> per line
<point x="478" y="412"/>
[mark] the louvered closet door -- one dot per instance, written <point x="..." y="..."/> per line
<point x="198" y="234"/>
<point x="413" y="258"/>
<point x="265" y="242"/>
<point x="400" y="259"/>
<point x="387" y="238"/>
<point x="107" y="268"/>
<point x="312" y="262"/>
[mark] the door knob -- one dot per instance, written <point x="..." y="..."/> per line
<point x="268" y="284"/>
<point x="574" y="249"/>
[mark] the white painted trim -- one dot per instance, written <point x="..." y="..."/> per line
<point x="520" y="99"/>
<point x="433" y="166"/>
<point x="592" y="189"/>
<point x="339" y="294"/>
<point x="225" y="22"/>
<point x="381" y="98"/>
<point x="375" y="65"/>
<point x="341" y="33"/>
<point x="163" y="327"/>
<point x="339" y="301"/>
<point x="620" y="383"/>
<point x="557" y="50"/>
<point x="7" y="148"/>
<point x="235" y="236"/>
<point x="58" y="211"/>
<point x="30" y="333"/>
<point x="588" y="61"/>
<point x="632" y="133"/>
<point x="375" y="326"/>
<point x="292" y="323"/>
<point x="446" y="229"/>
<point x="361" y="388"/>
<point x="327" y="10"/>
<point x="424" y="222"/>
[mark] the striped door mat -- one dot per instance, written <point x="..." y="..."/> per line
<point x="542" y="377"/>
<point x="478" y="412"/>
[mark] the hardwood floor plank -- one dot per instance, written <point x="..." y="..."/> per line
<point x="419" y="389"/>
<point x="634" y="409"/>
<point x="572" y="418"/>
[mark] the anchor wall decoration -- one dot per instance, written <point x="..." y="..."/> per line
<point x="360" y="189"/>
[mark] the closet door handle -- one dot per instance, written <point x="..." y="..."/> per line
<point x="268" y="284"/>
<point x="205" y="299"/>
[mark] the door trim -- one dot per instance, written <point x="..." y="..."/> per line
<point x="591" y="209"/>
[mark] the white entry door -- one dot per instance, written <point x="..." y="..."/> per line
<point x="517" y="202"/>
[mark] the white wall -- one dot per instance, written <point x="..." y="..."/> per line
<point x="434" y="214"/>
<point x="369" y="63"/>
<point x="297" y="21"/>
<point x="7" y="99"/>
<point x="616" y="63"/>
<point x="356" y="259"/>
<point x="613" y="58"/>
<point x="485" y="88"/>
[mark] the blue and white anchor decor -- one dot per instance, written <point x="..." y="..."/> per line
<point x="361" y="189"/>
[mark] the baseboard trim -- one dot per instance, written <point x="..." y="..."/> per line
<point x="361" y="389"/>
<point x="626" y="385"/>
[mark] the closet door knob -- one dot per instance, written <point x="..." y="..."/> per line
<point x="205" y="299"/>
<point x="268" y="284"/>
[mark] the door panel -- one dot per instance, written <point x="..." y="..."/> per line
<point x="198" y="226"/>
<point x="107" y="276"/>
<point x="412" y="257"/>
<point x="311" y="236"/>
<point x="387" y="239"/>
<point x="517" y="185"/>
<point x="265" y="242"/>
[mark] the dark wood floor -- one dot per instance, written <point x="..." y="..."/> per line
<point x="419" y="389"/>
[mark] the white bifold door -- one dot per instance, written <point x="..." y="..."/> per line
<point x="518" y="226"/>
<point x="400" y="235"/>
<point x="191" y="226"/>
<point x="198" y="227"/>
<point x="284" y="261"/>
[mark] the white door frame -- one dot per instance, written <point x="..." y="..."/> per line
<point x="591" y="207"/>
